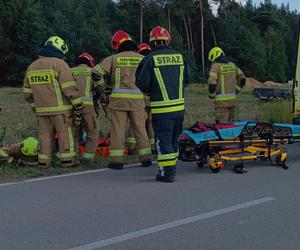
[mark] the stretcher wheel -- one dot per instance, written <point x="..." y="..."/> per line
<point x="262" y="156"/>
<point x="281" y="163"/>
<point x="215" y="170"/>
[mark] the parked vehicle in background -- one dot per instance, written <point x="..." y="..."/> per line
<point x="271" y="94"/>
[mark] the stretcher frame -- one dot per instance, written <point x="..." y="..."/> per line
<point x="262" y="141"/>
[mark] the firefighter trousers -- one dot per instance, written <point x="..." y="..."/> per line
<point x="166" y="133"/>
<point x="118" y="131"/>
<point x="131" y="141"/>
<point x="225" y="115"/>
<point x="62" y="124"/>
<point x="89" y="125"/>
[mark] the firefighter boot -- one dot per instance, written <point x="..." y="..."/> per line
<point x="166" y="174"/>
<point x="116" y="166"/>
<point x="146" y="164"/>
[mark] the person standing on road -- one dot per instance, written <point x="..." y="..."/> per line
<point x="126" y="100"/>
<point x="90" y="95"/>
<point x="143" y="49"/>
<point x="162" y="75"/>
<point x="49" y="87"/>
<point x="224" y="83"/>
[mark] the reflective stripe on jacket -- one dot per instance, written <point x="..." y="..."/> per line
<point x="50" y="88"/>
<point x="163" y="75"/>
<point x="226" y="77"/>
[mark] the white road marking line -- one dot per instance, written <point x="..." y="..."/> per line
<point x="170" y="225"/>
<point x="66" y="175"/>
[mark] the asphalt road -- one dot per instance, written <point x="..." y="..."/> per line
<point x="128" y="210"/>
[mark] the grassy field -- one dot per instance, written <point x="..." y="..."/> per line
<point x="19" y="121"/>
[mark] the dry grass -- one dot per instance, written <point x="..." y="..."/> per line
<point x="20" y="122"/>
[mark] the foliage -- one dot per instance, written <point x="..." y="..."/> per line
<point x="260" y="39"/>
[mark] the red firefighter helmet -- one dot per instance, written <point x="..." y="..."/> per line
<point x="118" y="38"/>
<point x="89" y="58"/>
<point x="143" y="46"/>
<point x="159" y="33"/>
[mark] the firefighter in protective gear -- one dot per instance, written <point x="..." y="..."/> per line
<point x="90" y="95"/>
<point x="162" y="75"/>
<point x="24" y="153"/>
<point x="224" y="83"/>
<point x="143" y="49"/>
<point x="126" y="100"/>
<point x="49" y="87"/>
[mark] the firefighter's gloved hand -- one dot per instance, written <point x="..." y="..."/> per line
<point x="77" y="118"/>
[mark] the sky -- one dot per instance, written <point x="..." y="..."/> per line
<point x="294" y="4"/>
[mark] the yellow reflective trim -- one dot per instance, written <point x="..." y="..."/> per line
<point x="114" y="152"/>
<point x="167" y="103"/>
<point x="88" y="103"/>
<point x="152" y="141"/>
<point x="167" y="156"/>
<point x="88" y="87"/>
<point x="238" y="87"/>
<point x="100" y="70"/>
<point x="3" y="154"/>
<point x="145" y="151"/>
<point x="128" y="61"/>
<point x="167" y="163"/>
<point x="181" y="82"/>
<point x="131" y="140"/>
<point x="81" y="71"/>
<point x="168" y="59"/>
<point x="127" y="95"/>
<point x="118" y="76"/>
<point x="67" y="155"/>
<point x="224" y="98"/>
<point x="227" y="69"/>
<point x="27" y="90"/>
<point x="167" y="110"/>
<point x="68" y="84"/>
<point x="44" y="157"/>
<point x="54" y="109"/>
<point x="76" y="101"/>
<point x="100" y="82"/>
<point x="42" y="76"/>
<point x="213" y="74"/>
<point x="223" y="84"/>
<point x="57" y="93"/>
<point x="161" y="84"/>
<point x="71" y="140"/>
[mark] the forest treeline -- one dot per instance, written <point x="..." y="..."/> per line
<point x="261" y="39"/>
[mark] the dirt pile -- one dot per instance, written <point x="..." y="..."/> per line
<point x="253" y="83"/>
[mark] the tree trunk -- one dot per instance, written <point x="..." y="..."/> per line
<point x="191" y="35"/>
<point x="169" y="15"/>
<point x="141" y="21"/>
<point x="186" y="31"/>
<point x="214" y="34"/>
<point x="202" y="35"/>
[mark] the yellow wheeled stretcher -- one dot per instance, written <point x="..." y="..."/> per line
<point x="216" y="145"/>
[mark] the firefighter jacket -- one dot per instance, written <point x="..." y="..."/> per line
<point x="15" y="154"/>
<point x="162" y="75"/>
<point x="83" y="76"/>
<point x="224" y="80"/>
<point x="50" y="88"/>
<point x="121" y="68"/>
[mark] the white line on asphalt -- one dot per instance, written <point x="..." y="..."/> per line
<point x="173" y="224"/>
<point x="65" y="175"/>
